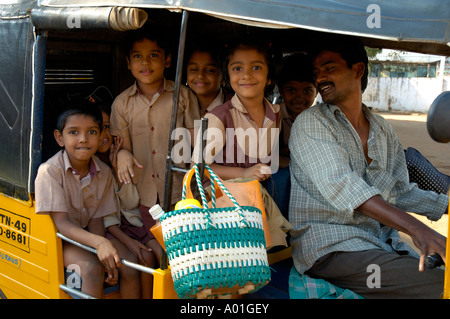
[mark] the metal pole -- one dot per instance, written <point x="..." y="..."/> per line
<point x="204" y="126"/>
<point x="173" y="122"/>
<point x="94" y="251"/>
<point x="76" y="292"/>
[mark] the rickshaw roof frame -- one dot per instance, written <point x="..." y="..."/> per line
<point x="411" y="24"/>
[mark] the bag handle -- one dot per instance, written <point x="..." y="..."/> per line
<point x="187" y="192"/>
<point x="215" y="179"/>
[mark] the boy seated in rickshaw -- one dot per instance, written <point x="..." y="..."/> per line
<point x="77" y="189"/>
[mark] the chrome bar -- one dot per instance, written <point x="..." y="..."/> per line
<point x="94" y="251"/>
<point x="76" y="292"/>
<point x="176" y="96"/>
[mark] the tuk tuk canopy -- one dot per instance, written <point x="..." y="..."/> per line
<point x="416" y="25"/>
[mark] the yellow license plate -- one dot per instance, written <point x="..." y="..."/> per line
<point x="15" y="230"/>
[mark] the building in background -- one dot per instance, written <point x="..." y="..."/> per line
<point x="406" y="81"/>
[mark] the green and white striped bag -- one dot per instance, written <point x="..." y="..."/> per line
<point x="215" y="251"/>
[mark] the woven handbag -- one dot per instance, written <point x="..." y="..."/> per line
<point x="215" y="251"/>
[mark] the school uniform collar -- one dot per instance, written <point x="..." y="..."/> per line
<point x="270" y="111"/>
<point x="219" y="100"/>
<point x="165" y="86"/>
<point x="94" y="168"/>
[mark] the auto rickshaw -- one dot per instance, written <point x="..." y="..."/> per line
<point x="53" y="51"/>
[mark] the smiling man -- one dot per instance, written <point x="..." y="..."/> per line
<point x="350" y="189"/>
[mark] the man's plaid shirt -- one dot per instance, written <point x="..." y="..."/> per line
<point x="330" y="178"/>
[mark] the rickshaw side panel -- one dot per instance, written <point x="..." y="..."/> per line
<point x="30" y="252"/>
<point x="16" y="93"/>
<point x="163" y="287"/>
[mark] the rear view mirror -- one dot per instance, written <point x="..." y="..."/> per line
<point x="438" y="119"/>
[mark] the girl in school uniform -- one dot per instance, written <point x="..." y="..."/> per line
<point x="242" y="135"/>
<point x="248" y="69"/>
<point x="204" y="76"/>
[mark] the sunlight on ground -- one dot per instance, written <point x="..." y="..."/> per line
<point x="416" y="117"/>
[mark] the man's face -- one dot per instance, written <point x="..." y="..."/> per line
<point x="334" y="80"/>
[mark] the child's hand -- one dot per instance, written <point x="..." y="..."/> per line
<point x="261" y="172"/>
<point x="113" y="278"/>
<point x="125" y="164"/>
<point x="109" y="257"/>
<point x="135" y="247"/>
<point x="115" y="148"/>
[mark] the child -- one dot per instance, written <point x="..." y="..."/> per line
<point x="76" y="188"/>
<point x="107" y="144"/>
<point x="297" y="90"/>
<point x="249" y="70"/>
<point x="141" y="115"/>
<point x="126" y="223"/>
<point x="298" y="93"/>
<point x="204" y="76"/>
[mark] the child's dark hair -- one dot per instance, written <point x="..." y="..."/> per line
<point x="351" y="50"/>
<point x="262" y="47"/>
<point x="149" y="32"/>
<point x="80" y="108"/>
<point x="296" y="67"/>
<point x="204" y="45"/>
<point x="104" y="107"/>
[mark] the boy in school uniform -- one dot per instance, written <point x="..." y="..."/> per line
<point x="76" y="188"/>
<point x="297" y="90"/>
<point x="296" y="85"/>
<point x="141" y="115"/>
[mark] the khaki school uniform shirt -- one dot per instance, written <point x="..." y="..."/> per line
<point x="58" y="188"/>
<point x="147" y="124"/>
<point x="219" y="100"/>
<point x="128" y="201"/>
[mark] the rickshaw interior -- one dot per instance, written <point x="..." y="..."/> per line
<point x="79" y="62"/>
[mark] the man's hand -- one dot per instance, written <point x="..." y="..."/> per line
<point x="429" y="241"/>
<point x="425" y="238"/>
